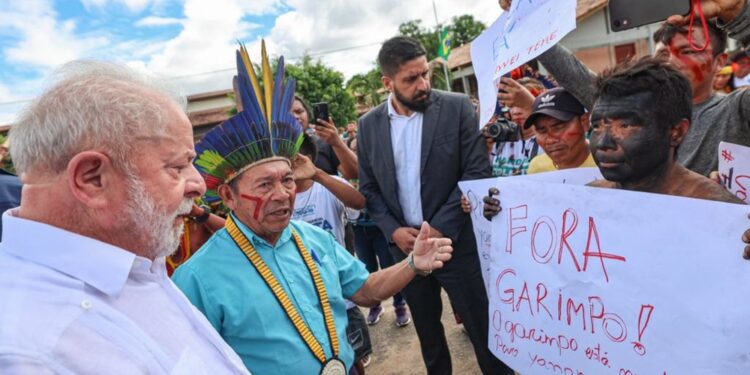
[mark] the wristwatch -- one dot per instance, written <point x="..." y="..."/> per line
<point x="410" y="262"/>
<point x="204" y="216"/>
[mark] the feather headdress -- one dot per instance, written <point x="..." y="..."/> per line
<point x="264" y="130"/>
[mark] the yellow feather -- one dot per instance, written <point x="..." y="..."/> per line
<point x="253" y="78"/>
<point x="267" y="82"/>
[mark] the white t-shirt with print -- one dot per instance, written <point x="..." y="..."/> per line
<point x="321" y="208"/>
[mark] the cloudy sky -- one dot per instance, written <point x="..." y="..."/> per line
<point x="192" y="42"/>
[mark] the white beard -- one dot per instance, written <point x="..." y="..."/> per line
<point x="152" y="223"/>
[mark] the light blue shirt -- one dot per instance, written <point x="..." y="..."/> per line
<point x="406" y="140"/>
<point x="222" y="283"/>
<point x="70" y="304"/>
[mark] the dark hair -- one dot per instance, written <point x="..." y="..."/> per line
<point x="304" y="103"/>
<point x="396" y="51"/>
<point x="667" y="31"/>
<point x="671" y="94"/>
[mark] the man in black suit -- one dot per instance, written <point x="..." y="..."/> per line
<point x="413" y="149"/>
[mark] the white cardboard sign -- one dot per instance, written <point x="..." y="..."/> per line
<point x="476" y="190"/>
<point x="601" y="281"/>
<point x="734" y="169"/>
<point x="517" y="36"/>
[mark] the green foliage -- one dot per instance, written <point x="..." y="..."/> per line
<point x="317" y="82"/>
<point x="428" y="37"/>
<point x="465" y="28"/>
<point x="369" y="86"/>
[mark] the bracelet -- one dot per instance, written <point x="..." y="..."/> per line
<point x="414" y="268"/>
<point x="204" y="216"/>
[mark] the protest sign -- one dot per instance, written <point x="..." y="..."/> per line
<point x="528" y="29"/>
<point x="475" y="190"/>
<point x="734" y="169"/>
<point x="603" y="281"/>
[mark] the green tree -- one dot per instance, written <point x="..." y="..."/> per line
<point x="317" y="82"/>
<point x="368" y="87"/>
<point x="428" y="37"/>
<point x="465" y="28"/>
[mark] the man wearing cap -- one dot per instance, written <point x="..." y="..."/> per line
<point x="715" y="118"/>
<point x="561" y="123"/>
<point x="274" y="289"/>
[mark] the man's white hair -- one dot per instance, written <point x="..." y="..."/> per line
<point x="92" y="105"/>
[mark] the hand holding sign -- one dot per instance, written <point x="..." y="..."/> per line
<point x="491" y="205"/>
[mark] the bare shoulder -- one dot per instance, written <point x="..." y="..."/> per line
<point x="702" y="187"/>
<point x="602" y="184"/>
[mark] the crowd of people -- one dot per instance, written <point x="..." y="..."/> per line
<point x="285" y="224"/>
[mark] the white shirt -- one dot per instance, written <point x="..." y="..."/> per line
<point x="406" y="140"/>
<point x="74" y="305"/>
<point x="321" y="208"/>
<point x="742" y="82"/>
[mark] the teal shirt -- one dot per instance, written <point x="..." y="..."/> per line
<point x="221" y="282"/>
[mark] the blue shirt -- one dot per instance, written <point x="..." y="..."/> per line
<point x="221" y="282"/>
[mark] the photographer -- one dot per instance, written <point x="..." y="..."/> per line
<point x="511" y="147"/>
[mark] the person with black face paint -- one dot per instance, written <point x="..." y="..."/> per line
<point x="641" y="114"/>
<point x="413" y="149"/>
<point x="715" y="118"/>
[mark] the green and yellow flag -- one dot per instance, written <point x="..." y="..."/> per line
<point x="446" y="39"/>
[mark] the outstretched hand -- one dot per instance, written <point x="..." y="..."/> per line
<point x="491" y="205"/>
<point x="430" y="253"/>
<point x="726" y="10"/>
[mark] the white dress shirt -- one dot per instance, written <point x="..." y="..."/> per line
<point x="70" y="304"/>
<point x="406" y="140"/>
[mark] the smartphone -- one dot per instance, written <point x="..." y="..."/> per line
<point x="627" y="14"/>
<point x="320" y="111"/>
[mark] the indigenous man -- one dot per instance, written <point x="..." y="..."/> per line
<point x="641" y="115"/>
<point x="561" y="123"/>
<point x="714" y="118"/>
<point x="275" y="289"/>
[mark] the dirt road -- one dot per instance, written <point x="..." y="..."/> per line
<point x="396" y="350"/>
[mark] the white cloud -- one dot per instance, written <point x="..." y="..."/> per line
<point x="158" y="21"/>
<point x="44" y="41"/>
<point x="135" y="6"/>
<point x="201" y="56"/>
<point x="323" y="26"/>
<point x="205" y="42"/>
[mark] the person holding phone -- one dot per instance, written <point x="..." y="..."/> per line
<point x="715" y="118"/>
<point x="333" y="154"/>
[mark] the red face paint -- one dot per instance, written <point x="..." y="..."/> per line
<point x="698" y="62"/>
<point x="258" y="204"/>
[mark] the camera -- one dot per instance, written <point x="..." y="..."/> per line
<point x="503" y="130"/>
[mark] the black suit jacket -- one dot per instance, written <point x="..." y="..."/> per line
<point x="452" y="150"/>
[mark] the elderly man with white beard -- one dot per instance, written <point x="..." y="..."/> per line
<point x="105" y="156"/>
